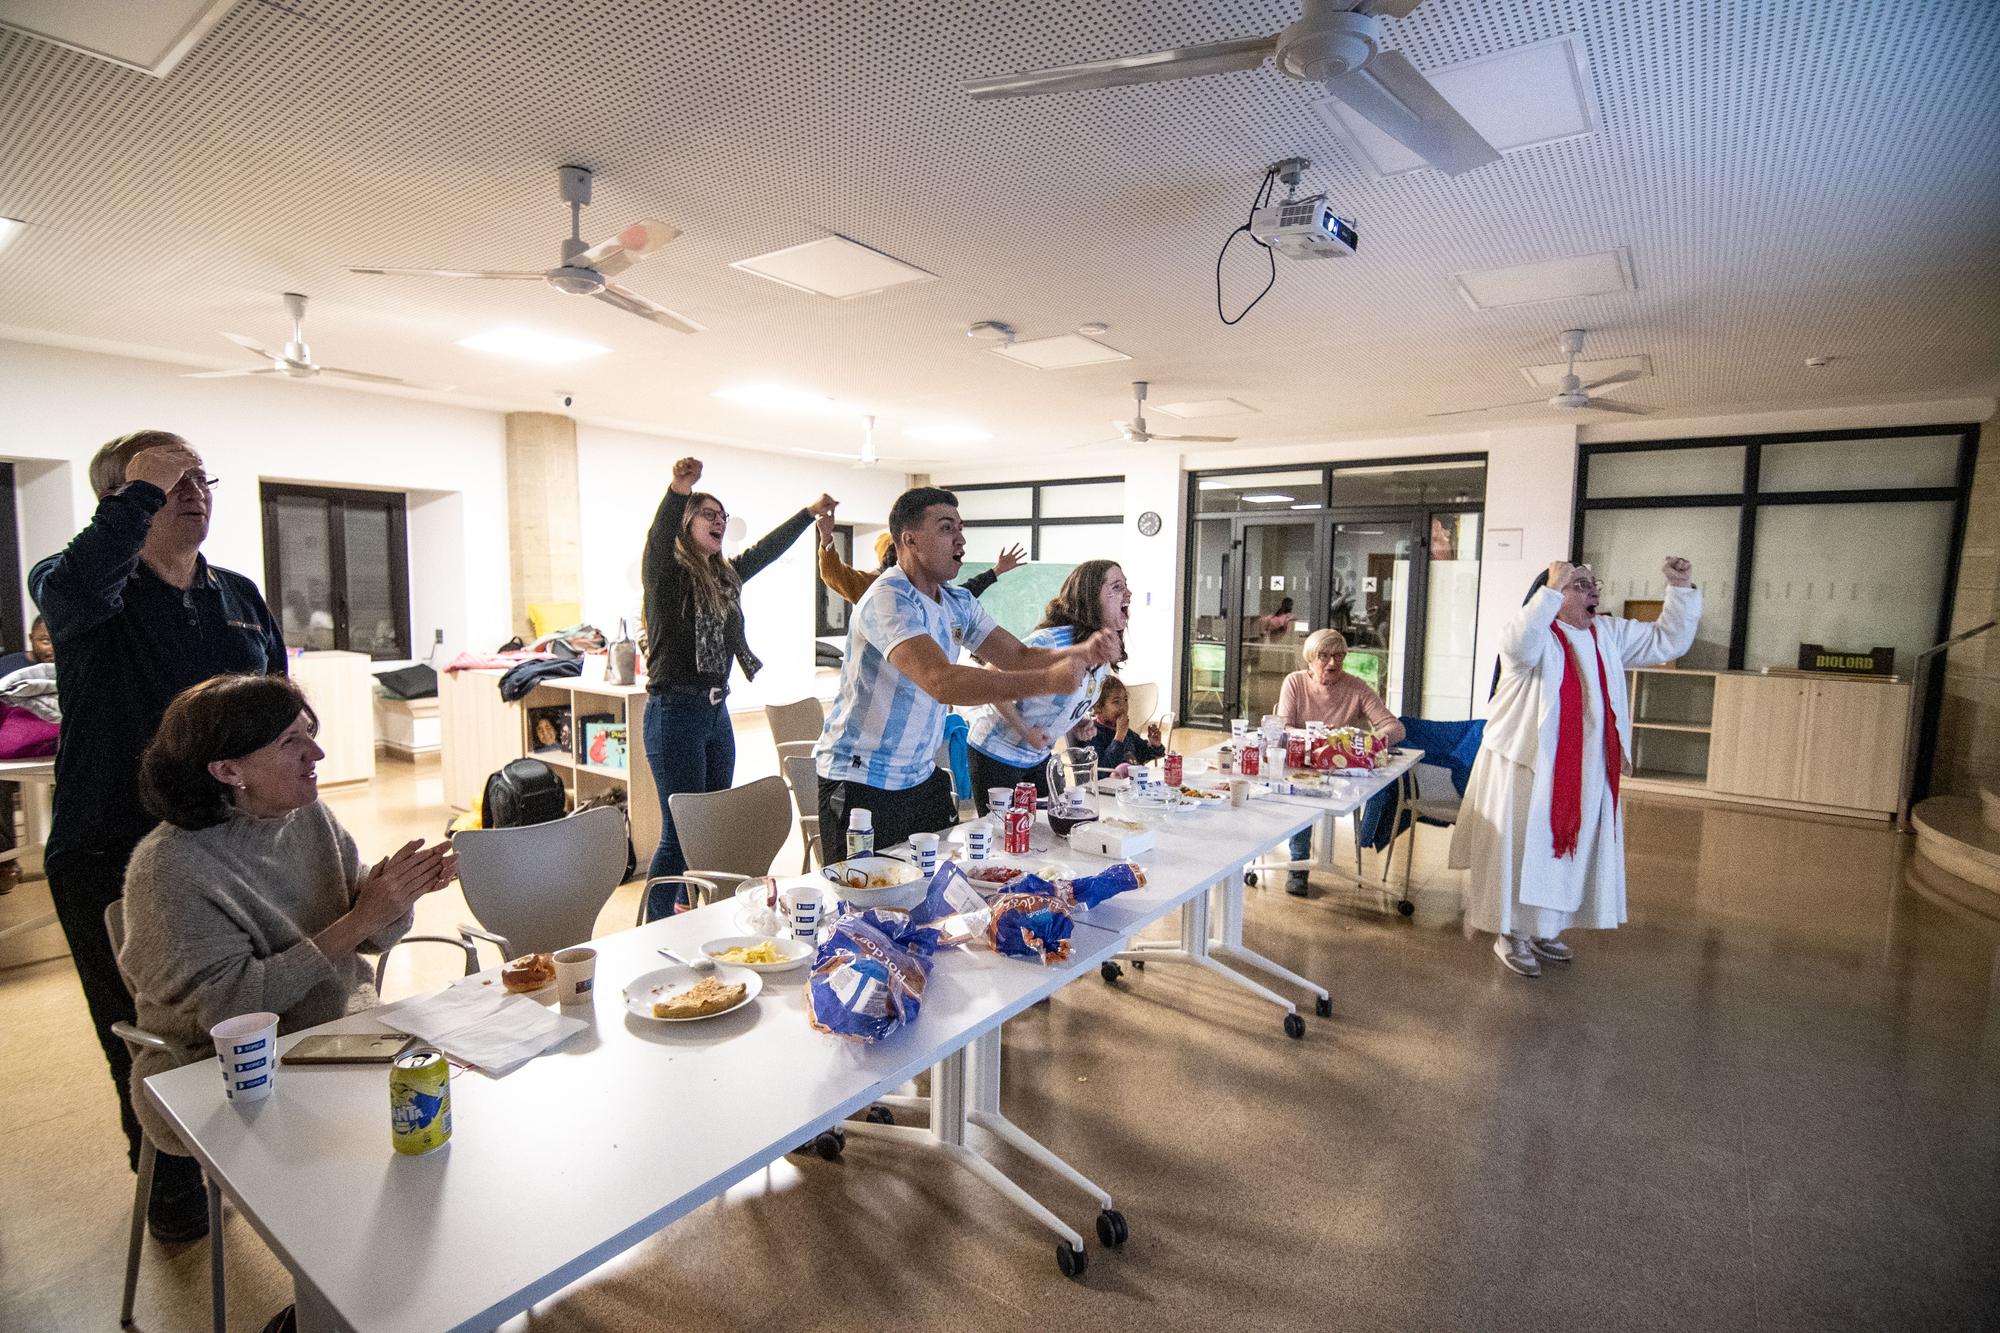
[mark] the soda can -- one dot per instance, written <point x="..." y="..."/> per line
<point x="1249" y="760"/>
<point x="1295" y="751"/>
<point x="1225" y="757"/>
<point x="1024" y="798"/>
<point x="419" y="1102"/>
<point x="1019" y="829"/>
<point x="1173" y="764"/>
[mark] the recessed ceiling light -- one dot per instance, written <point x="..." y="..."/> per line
<point x="1596" y="274"/>
<point x="1311" y="506"/>
<point x="1551" y="376"/>
<point x="523" y="344"/>
<point x="1062" y="352"/>
<point x="768" y="397"/>
<point x="947" y="432"/>
<point x="1533" y="94"/>
<point x="1204" y="407"/>
<point x="150" y="38"/>
<point x="834" y="266"/>
<point x="9" y="229"/>
<point x="1272" y="499"/>
<point x="1094" y="329"/>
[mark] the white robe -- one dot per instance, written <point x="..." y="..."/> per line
<point x="1518" y="886"/>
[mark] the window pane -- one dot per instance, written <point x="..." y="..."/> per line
<point x="1222" y="495"/>
<point x="1281" y="603"/>
<point x="1072" y="544"/>
<point x="1847" y="576"/>
<point x="1208" y="652"/>
<point x="1010" y="502"/>
<point x="1859" y="465"/>
<point x="1097" y="499"/>
<point x="1451" y="614"/>
<point x="305" y="565"/>
<point x="1667" y="472"/>
<point x="1626" y="546"/>
<point x="985" y="544"/>
<point x="372" y="626"/>
<point x="1410" y="483"/>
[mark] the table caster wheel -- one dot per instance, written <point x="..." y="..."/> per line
<point x="880" y="1115"/>
<point x="1070" y="1259"/>
<point x="1110" y="972"/>
<point x="1323" y="1006"/>
<point x="1250" y="878"/>
<point x="1138" y="965"/>
<point x="1295" y="1027"/>
<point x="1405" y="906"/>
<point x="1111" y="1229"/>
<point x="830" y="1144"/>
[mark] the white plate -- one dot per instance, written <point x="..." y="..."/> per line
<point x="797" y="951"/>
<point x="640" y="992"/>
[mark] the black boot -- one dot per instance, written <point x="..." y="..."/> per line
<point x="1295" y="883"/>
<point x="177" y="1212"/>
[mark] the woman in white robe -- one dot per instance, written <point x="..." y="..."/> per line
<point x="1521" y="888"/>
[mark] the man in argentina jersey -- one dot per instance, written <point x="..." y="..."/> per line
<point x="878" y="751"/>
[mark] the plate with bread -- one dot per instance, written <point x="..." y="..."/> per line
<point x="679" y="994"/>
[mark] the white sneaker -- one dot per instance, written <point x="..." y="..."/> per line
<point x="1514" y="953"/>
<point x="1553" y="950"/>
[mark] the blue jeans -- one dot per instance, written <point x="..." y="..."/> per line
<point x="692" y="748"/>
<point x="1302" y="845"/>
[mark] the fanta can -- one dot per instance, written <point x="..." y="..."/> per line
<point x="419" y="1102"/>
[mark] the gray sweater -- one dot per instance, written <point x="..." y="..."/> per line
<point x="219" y="922"/>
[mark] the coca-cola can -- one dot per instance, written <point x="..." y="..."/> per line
<point x="1251" y="759"/>
<point x="1017" y="825"/>
<point x="1173" y="765"/>
<point x="1295" y="751"/>
<point x="1024" y="797"/>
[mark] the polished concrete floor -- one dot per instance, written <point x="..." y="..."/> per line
<point x="1772" y="1101"/>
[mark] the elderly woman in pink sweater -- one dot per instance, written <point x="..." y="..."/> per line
<point x="1322" y="692"/>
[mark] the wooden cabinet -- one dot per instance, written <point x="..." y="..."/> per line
<point x="341" y="689"/>
<point x="1758" y="731"/>
<point x="1853" y="752"/>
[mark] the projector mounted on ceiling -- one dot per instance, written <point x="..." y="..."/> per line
<point x="1293" y="227"/>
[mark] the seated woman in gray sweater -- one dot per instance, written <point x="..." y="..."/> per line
<point x="251" y="896"/>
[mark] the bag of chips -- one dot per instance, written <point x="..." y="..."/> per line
<point x="1032" y="922"/>
<point x="868" y="977"/>
<point x="1347" y="747"/>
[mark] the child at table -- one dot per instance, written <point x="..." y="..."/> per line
<point x="1118" y="746"/>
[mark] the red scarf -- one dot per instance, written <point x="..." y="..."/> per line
<point x="1566" y="801"/>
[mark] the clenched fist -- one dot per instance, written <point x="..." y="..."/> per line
<point x="1680" y="574"/>
<point x="686" y="473"/>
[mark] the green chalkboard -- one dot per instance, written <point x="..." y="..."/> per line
<point x="1022" y="594"/>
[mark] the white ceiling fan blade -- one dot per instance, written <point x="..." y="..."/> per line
<point x="1186" y="62"/>
<point x="827" y="453"/>
<point x="1490" y="407"/>
<point x="250" y="344"/>
<point x="1388" y="9"/>
<point x="639" y="241"/>
<point x="1622" y="377"/>
<point x="1403" y="104"/>
<point x="634" y="304"/>
<point x="499" y="274"/>
<point x="383" y="379"/>
<point x="1629" y="409"/>
<point x="1197" y="439"/>
<point x="229" y="374"/>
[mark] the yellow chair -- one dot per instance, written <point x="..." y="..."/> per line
<point x="545" y="618"/>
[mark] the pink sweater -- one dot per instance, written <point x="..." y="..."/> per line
<point x="1348" y="702"/>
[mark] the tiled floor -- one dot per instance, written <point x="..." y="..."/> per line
<point x="1772" y="1101"/>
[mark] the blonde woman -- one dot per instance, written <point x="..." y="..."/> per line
<point x="694" y="633"/>
<point x="1322" y="692"/>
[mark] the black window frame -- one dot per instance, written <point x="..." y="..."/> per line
<point x="13" y="632"/>
<point x="395" y="503"/>
<point x="823" y="596"/>
<point x="1035" y="521"/>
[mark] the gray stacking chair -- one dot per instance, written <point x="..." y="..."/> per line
<point x="731" y="836"/>
<point x="803" y="778"/>
<point x="539" y="888"/>
<point x="801" y="721"/>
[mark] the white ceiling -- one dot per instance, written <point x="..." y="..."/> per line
<point x="1791" y="178"/>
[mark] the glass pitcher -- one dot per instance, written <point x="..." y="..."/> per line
<point x="1072" y="789"/>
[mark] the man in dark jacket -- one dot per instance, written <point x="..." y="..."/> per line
<point x="136" y="615"/>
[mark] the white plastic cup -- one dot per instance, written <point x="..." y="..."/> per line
<point x="247" y="1046"/>
<point x="1239" y="793"/>
<point x="925" y="845"/>
<point x="998" y="799"/>
<point x="576" y="974"/>
<point x="979" y="840"/>
<point x="802" y="906"/>
<point x="1238" y="726"/>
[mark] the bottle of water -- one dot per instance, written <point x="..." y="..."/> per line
<point x="860" y="834"/>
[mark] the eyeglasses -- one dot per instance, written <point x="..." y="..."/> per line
<point x="712" y="515"/>
<point x="201" y="480"/>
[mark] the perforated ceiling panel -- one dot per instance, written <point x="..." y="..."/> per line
<point x="1791" y="177"/>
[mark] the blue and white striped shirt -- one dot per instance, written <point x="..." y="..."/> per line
<point x="884" y="731"/>
<point x="1057" y="714"/>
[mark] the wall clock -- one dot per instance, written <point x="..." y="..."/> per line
<point x="1149" y="524"/>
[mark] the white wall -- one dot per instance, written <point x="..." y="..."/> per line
<point x="63" y="404"/>
<point x="620" y="479"/>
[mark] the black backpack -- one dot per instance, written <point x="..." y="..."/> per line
<point x="526" y="791"/>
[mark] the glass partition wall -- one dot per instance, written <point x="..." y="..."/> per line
<point x="1387" y="553"/>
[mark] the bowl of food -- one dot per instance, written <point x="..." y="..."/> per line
<point x="759" y="953"/>
<point x="877" y="881"/>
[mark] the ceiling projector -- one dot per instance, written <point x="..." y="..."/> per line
<point x="1303" y="229"/>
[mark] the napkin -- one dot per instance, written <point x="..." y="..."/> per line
<point x="480" y="1025"/>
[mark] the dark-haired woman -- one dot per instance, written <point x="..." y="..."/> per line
<point x="1011" y="741"/>
<point x="694" y="632"/>
<point x="251" y="897"/>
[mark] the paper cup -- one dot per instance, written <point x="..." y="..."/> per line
<point x="1239" y="792"/>
<point x="576" y="973"/>
<point x="802" y="906"/>
<point x="998" y="799"/>
<point x="247" y="1046"/>
<point x="925" y="845"/>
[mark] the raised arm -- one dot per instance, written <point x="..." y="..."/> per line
<point x="659" y="572"/>
<point x="1521" y="642"/>
<point x="773" y="544"/>
<point x="84" y="586"/>
<point x="924" y="662"/>
<point x="1643" y="643"/>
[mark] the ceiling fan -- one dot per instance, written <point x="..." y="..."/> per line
<point x="1337" y="43"/>
<point x="1135" y="432"/>
<point x="296" y="362"/>
<point x="584" y="270"/>
<point x="1573" y="394"/>
<point x="867" y="457"/>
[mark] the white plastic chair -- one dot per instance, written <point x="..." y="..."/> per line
<point x="803" y="778"/>
<point x="539" y="888"/>
<point x="731" y="836"/>
<point x="1436" y="800"/>
<point x="794" y="722"/>
<point x="1142" y="701"/>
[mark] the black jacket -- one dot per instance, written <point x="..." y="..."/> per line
<point x="670" y="597"/>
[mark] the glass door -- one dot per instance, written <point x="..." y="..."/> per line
<point x="1369" y="599"/>
<point x="1451" y="615"/>
<point x="1207" y="671"/>
<point x="1280" y="589"/>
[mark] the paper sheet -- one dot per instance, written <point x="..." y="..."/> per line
<point x="483" y="1026"/>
